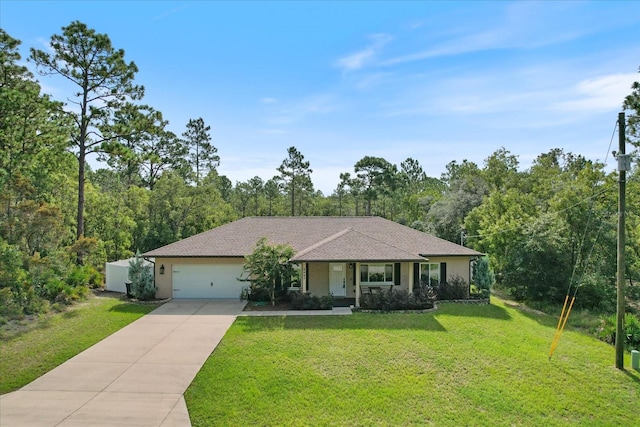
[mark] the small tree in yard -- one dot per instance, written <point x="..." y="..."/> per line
<point x="267" y="266"/>
<point x="483" y="277"/>
<point x="141" y="278"/>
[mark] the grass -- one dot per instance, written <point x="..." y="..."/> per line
<point x="29" y="352"/>
<point x="462" y="365"/>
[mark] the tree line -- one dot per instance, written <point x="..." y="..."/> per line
<point x="60" y="221"/>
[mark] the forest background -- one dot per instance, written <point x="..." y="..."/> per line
<point x="544" y="228"/>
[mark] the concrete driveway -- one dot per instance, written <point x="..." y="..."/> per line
<point x="135" y="377"/>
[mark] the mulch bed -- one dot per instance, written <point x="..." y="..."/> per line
<point x="266" y="306"/>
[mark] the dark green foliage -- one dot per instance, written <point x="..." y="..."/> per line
<point x="9" y="307"/>
<point x="483" y="276"/>
<point x="632" y="102"/>
<point x="103" y="86"/>
<point x="307" y="301"/>
<point x="27" y="298"/>
<point x="60" y="292"/>
<point x="141" y="278"/>
<point x="376" y="177"/>
<point x="258" y="294"/>
<point x="268" y="268"/>
<point x="596" y="292"/>
<point x="84" y="275"/>
<point x="326" y="302"/>
<point x="295" y="177"/>
<point x="423" y="297"/>
<point x="607" y="331"/>
<point x="202" y="155"/>
<point x="454" y="288"/>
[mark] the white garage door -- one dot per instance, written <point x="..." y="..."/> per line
<point x="207" y="281"/>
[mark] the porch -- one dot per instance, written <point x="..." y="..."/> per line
<point x="346" y="281"/>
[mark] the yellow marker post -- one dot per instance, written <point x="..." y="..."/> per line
<point x="561" y="324"/>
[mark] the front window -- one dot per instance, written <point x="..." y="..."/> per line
<point x="376" y="273"/>
<point x="430" y="274"/>
<point x="296" y="273"/>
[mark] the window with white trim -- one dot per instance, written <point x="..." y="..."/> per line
<point x="430" y="274"/>
<point x="376" y="273"/>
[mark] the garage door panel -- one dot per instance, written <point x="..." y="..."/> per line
<point x="207" y="281"/>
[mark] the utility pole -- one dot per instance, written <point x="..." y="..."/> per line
<point x="623" y="166"/>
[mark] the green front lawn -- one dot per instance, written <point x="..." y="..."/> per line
<point x="53" y="339"/>
<point x="460" y="366"/>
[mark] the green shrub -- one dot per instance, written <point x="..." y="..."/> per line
<point x="422" y="298"/>
<point x="307" y="301"/>
<point x="326" y="302"/>
<point x="455" y="288"/>
<point x="258" y="294"/>
<point x="80" y="293"/>
<point x="141" y="278"/>
<point x="96" y="279"/>
<point x="607" y="331"/>
<point x="57" y="291"/>
<point x="79" y="276"/>
<point x="597" y="293"/>
<point x="9" y="307"/>
<point x="84" y="275"/>
<point x="483" y="277"/>
<point x="30" y="302"/>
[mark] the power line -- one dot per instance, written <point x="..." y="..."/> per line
<point x="545" y="213"/>
<point x="606" y="157"/>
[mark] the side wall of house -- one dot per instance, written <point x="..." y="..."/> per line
<point x="456" y="266"/>
<point x="319" y="278"/>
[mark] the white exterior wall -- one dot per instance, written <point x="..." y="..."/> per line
<point x="117" y="274"/>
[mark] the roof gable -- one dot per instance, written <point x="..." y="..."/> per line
<point x="351" y="245"/>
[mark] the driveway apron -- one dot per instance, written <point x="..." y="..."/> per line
<point x="135" y="377"/>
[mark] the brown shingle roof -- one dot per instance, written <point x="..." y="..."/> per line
<point x="317" y="239"/>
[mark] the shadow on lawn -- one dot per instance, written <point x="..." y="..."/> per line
<point x="634" y="375"/>
<point x="130" y="308"/>
<point x="365" y="321"/>
<point x="488" y="311"/>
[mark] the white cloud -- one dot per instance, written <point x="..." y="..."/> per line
<point x="521" y="25"/>
<point x="598" y="94"/>
<point x="365" y="56"/>
<point x="269" y="100"/>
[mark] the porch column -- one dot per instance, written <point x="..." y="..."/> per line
<point x="410" y="277"/>
<point x="357" y="273"/>
<point x="304" y="278"/>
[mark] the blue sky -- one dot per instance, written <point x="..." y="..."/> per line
<point x="436" y="81"/>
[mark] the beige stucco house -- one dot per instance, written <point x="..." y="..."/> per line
<point x="341" y="256"/>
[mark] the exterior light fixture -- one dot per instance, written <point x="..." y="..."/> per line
<point x="162" y="269"/>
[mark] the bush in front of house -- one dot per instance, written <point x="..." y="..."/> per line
<point x="307" y="301"/>
<point x="421" y="298"/>
<point x="483" y="277"/>
<point x="454" y="288"/>
<point x="141" y="278"/>
<point x="258" y="294"/>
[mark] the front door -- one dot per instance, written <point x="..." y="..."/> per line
<point x="337" y="279"/>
